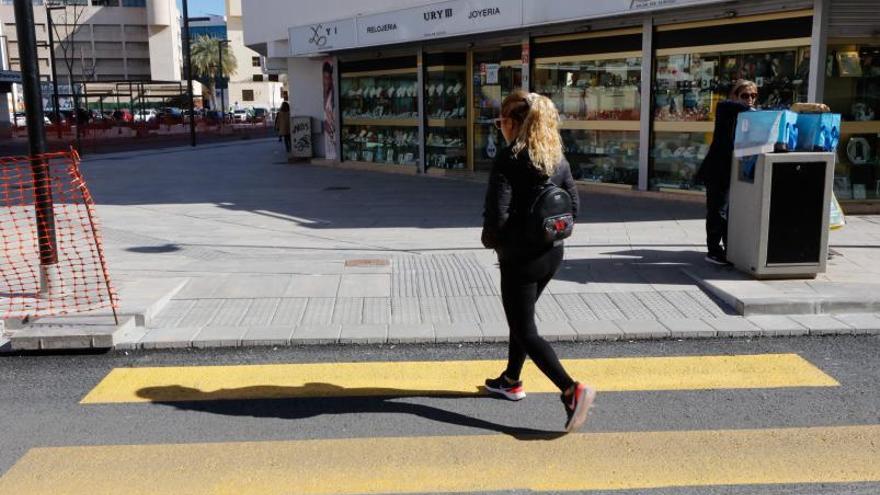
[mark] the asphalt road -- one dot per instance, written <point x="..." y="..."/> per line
<point x="40" y="407"/>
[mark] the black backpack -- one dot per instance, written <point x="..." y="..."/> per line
<point x="549" y="218"/>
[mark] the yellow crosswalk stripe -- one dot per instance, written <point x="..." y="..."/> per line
<point x="189" y="383"/>
<point x="595" y="461"/>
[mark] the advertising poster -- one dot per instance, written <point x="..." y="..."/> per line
<point x="328" y="72"/>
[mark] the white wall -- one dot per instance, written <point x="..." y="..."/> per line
<point x="4" y="97"/>
<point x="166" y="54"/>
<point x="306" y="85"/>
<point x="268" y="20"/>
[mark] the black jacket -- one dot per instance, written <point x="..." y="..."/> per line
<point x="508" y="196"/>
<point x="715" y="169"/>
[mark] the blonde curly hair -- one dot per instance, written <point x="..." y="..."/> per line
<point x="538" y="122"/>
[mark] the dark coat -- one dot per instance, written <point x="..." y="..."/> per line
<point x="508" y="196"/>
<point x="715" y="169"/>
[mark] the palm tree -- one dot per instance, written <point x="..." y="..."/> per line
<point x="205" y="56"/>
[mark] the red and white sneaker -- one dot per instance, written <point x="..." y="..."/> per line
<point x="577" y="406"/>
<point x="510" y="391"/>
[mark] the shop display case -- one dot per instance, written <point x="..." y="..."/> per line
<point x="380" y="114"/>
<point x="380" y="144"/>
<point x="446" y="110"/>
<point x="676" y="156"/>
<point x="493" y="81"/>
<point x="603" y="156"/>
<point x="588" y="89"/>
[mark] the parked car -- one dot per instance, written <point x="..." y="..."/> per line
<point x="19" y="119"/>
<point x="259" y="114"/>
<point x="240" y="115"/>
<point x="145" y="115"/>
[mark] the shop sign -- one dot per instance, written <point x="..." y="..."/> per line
<point x="322" y="37"/>
<point x="542" y="11"/>
<point x="451" y="18"/>
<point x="9" y="76"/>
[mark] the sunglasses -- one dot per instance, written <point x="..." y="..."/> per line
<point x="749" y="96"/>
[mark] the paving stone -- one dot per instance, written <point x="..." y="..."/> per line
<point x="602" y="306"/>
<point x="630" y="306"/>
<point x="659" y="306"/>
<point x="557" y="331"/>
<point x="734" y="326"/>
<point x="260" y="312"/>
<point x="574" y="307"/>
<point x="861" y="322"/>
<point x="363" y="334"/>
<point x="202" y="312"/>
<point x="230" y="313"/>
<point x="688" y="328"/>
<point x="687" y="305"/>
<point x="201" y="287"/>
<point x="596" y="330"/>
<point x="778" y="325"/>
<point x="267" y="335"/>
<point x="168" y="338"/>
<point x="251" y="286"/>
<point x="173" y="312"/>
<point x="462" y="309"/>
<point x="313" y="286"/>
<point x="495" y="331"/>
<point x="410" y="333"/>
<point x="708" y="303"/>
<point x="348" y="310"/>
<point x="823" y="324"/>
<point x="490" y="309"/>
<point x="434" y="310"/>
<point x="547" y="309"/>
<point x="365" y="285"/>
<point x="642" y="329"/>
<point x="457" y="332"/>
<point x="218" y="336"/>
<point x="405" y="310"/>
<point x="319" y="311"/>
<point x="316" y="334"/>
<point x="289" y="312"/>
<point x="377" y="310"/>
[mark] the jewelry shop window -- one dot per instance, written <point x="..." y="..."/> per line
<point x="696" y="67"/>
<point x="446" y="110"/>
<point x="380" y="112"/>
<point x="598" y="97"/>
<point x="496" y="74"/>
<point x="852" y="88"/>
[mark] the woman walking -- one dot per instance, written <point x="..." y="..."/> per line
<point x="530" y="124"/>
<point x="282" y="124"/>
<point x="715" y="169"/>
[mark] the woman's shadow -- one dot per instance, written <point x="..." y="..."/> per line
<point x="316" y="399"/>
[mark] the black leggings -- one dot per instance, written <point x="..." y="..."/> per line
<point x="521" y="286"/>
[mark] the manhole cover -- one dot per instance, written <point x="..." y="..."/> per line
<point x="337" y="188"/>
<point x="367" y="262"/>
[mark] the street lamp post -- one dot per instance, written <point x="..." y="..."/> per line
<point x="30" y="78"/>
<point x="220" y="44"/>
<point x="188" y="66"/>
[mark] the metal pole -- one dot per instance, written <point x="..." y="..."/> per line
<point x="188" y="65"/>
<point x="220" y="78"/>
<point x="30" y="75"/>
<point x="54" y="72"/>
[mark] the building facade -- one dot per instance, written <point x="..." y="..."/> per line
<point x="252" y="86"/>
<point x="103" y="40"/>
<point x="417" y="84"/>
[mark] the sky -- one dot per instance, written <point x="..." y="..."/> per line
<point x="203" y="7"/>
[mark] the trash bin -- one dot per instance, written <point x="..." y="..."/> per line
<point x="778" y="214"/>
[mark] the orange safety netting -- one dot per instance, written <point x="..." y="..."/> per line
<point x="50" y="246"/>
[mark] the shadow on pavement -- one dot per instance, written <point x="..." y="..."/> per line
<point x="317" y="399"/>
<point x="248" y="178"/>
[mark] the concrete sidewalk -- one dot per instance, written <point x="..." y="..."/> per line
<point x="230" y="245"/>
